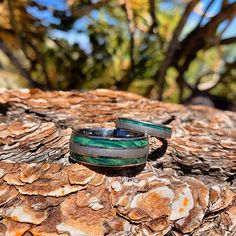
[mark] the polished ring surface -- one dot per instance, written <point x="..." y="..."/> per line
<point x="156" y="130"/>
<point x="109" y="147"/>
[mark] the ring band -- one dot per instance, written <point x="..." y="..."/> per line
<point x="109" y="147"/>
<point x="156" y="130"/>
<point x="108" y="161"/>
<point x="119" y="153"/>
<point x="109" y="138"/>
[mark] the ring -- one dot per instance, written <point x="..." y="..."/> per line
<point x="109" y="147"/>
<point x="156" y="130"/>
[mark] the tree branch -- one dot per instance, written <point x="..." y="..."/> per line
<point x="15" y="29"/>
<point x="204" y="13"/>
<point x="199" y="78"/>
<point x="154" y="25"/>
<point x="7" y="31"/>
<point x="22" y="41"/>
<point x="228" y="40"/>
<point x="206" y="86"/>
<point x="130" y="17"/>
<point x="153" y="16"/>
<point x="225" y="28"/>
<point x="81" y="11"/>
<point x="219" y="77"/>
<point x="17" y="64"/>
<point x="199" y="38"/>
<point x="173" y="45"/>
<point x="42" y="63"/>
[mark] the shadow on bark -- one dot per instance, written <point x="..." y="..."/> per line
<point x="159" y="152"/>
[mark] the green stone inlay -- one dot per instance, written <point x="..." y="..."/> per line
<point x="108" y="161"/>
<point x="106" y="143"/>
<point x="159" y="127"/>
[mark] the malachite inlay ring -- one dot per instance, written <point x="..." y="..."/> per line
<point x="156" y="130"/>
<point x="109" y="138"/>
<point x="108" y="161"/>
<point x="109" y="147"/>
<point x="111" y="152"/>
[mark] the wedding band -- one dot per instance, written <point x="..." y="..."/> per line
<point x="106" y="161"/>
<point x="156" y="130"/>
<point x="111" y="152"/>
<point x="109" y="147"/>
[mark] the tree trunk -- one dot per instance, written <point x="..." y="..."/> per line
<point x="188" y="185"/>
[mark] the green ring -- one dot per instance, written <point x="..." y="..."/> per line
<point x="108" y="161"/>
<point x="157" y="130"/>
<point x="109" y="138"/>
<point x="106" y="143"/>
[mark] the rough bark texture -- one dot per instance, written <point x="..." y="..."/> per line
<point x="187" y="187"/>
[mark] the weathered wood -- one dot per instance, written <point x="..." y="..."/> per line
<point x="188" y="185"/>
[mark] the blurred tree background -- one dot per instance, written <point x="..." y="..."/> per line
<point x="177" y="51"/>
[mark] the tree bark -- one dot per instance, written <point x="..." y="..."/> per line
<point x="188" y="185"/>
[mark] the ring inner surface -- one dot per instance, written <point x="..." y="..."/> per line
<point x="106" y="133"/>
